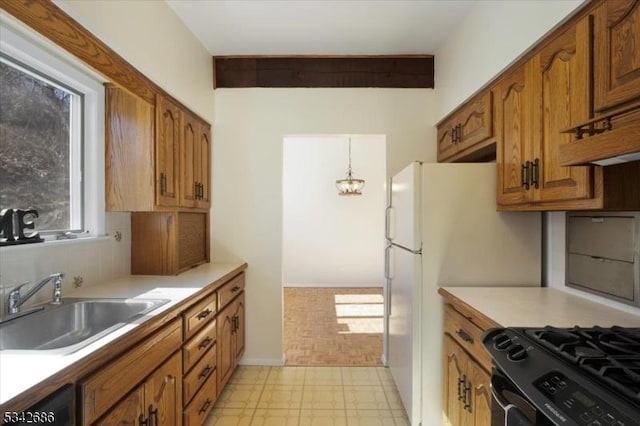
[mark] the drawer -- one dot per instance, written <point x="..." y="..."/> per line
<point x="467" y="334"/>
<point x="198" y="315"/>
<point x="199" y="408"/>
<point x="199" y="374"/>
<point x="195" y="348"/>
<point x="610" y="237"/>
<point x="230" y="290"/>
<point x="604" y="276"/>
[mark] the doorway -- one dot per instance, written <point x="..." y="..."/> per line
<point x="333" y="251"/>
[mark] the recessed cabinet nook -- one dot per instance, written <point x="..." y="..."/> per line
<point x="571" y="100"/>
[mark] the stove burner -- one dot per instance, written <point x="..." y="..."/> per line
<point x="587" y="352"/>
<point x="610" y="355"/>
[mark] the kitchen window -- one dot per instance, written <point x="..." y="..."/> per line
<point x="51" y="135"/>
<point x="41" y="123"/>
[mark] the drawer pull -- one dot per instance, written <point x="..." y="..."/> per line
<point x="205" y="372"/>
<point x="204" y="314"/>
<point x="235" y="288"/>
<point x="205" y="343"/>
<point x="205" y="406"/>
<point x="464" y="336"/>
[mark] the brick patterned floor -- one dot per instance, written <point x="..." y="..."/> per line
<point x="333" y="326"/>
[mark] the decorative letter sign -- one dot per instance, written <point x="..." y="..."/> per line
<point x="14" y="219"/>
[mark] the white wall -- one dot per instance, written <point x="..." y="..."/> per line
<point x="151" y="37"/>
<point x="328" y="239"/>
<point x="491" y="36"/>
<point x="247" y="176"/>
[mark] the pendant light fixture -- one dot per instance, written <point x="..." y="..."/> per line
<point x="350" y="186"/>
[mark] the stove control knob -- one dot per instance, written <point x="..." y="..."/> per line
<point x="517" y="353"/>
<point x="501" y="342"/>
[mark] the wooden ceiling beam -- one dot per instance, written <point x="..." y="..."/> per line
<point x="409" y="71"/>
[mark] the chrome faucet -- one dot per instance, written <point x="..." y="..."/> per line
<point x="16" y="299"/>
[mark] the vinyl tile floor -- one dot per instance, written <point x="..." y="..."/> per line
<point x="309" y="396"/>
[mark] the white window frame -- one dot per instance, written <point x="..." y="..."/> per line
<point x="31" y="49"/>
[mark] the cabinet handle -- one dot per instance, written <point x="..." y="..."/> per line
<point x="153" y="416"/>
<point x="459" y="133"/>
<point x="524" y="175"/>
<point x="464" y="336"/>
<point x="467" y="397"/>
<point x="205" y="372"/>
<point x="204" y="314"/>
<point x="535" y="172"/>
<point x="461" y="381"/>
<point x="142" y="421"/>
<point x="235" y="288"/>
<point x="205" y="343"/>
<point x="163" y="183"/>
<point x="454" y="134"/>
<point x="205" y="406"/>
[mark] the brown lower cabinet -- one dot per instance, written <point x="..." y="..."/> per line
<point x="174" y="376"/>
<point x="231" y="331"/>
<point x="467" y="395"/>
<point x="154" y="402"/>
<point x="466" y="367"/>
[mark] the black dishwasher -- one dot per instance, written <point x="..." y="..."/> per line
<point x="57" y="409"/>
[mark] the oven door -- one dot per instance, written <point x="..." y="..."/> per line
<point x="510" y="407"/>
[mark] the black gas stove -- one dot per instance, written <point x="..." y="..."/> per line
<point x="567" y="376"/>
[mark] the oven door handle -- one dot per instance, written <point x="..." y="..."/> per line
<point x="513" y="416"/>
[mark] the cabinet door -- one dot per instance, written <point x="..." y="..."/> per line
<point x="203" y="161"/>
<point x="163" y="393"/>
<point x="475" y="122"/>
<point x="561" y="98"/>
<point x="447" y="146"/>
<point x="512" y="136"/>
<point x="224" y="345"/>
<point x="480" y="394"/>
<point x="616" y="53"/>
<point x="130" y="141"/>
<point x="168" y="131"/>
<point x="455" y="365"/>
<point x="239" y="329"/>
<point x="189" y="155"/>
<point x="127" y="412"/>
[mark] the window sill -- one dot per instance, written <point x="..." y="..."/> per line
<point x="57" y="243"/>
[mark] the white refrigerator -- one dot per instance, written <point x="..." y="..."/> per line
<point x="442" y="229"/>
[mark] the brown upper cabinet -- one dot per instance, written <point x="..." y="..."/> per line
<point x="194" y="162"/>
<point x="615" y="129"/>
<point x="616" y="53"/>
<point x="533" y="103"/>
<point x="168" y="141"/>
<point x="466" y="134"/>
<point x="157" y="155"/>
<point x="577" y="83"/>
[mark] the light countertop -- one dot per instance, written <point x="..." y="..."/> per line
<point x="22" y="370"/>
<point x="540" y="306"/>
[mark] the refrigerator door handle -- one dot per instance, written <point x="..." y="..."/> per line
<point x="387" y="262"/>
<point x="387" y="276"/>
<point x="388" y="234"/>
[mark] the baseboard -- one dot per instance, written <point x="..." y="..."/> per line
<point x="333" y="285"/>
<point x="262" y="362"/>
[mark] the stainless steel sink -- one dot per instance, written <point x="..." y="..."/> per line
<point x="73" y="324"/>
